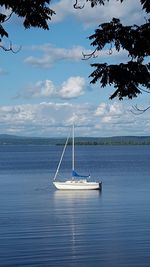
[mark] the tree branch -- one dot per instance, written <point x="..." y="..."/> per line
<point x="139" y="111"/>
<point x="110" y="49"/>
<point x="10" y="48"/>
<point x="77" y="6"/>
<point x="7" y="18"/>
<point x="90" y="55"/>
<point x="145" y="91"/>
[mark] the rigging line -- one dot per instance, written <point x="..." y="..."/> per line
<point x="62" y="156"/>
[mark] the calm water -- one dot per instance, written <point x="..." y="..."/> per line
<point x="40" y="226"/>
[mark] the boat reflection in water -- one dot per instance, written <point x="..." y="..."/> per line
<point x="78" y="195"/>
<point x="75" y="214"/>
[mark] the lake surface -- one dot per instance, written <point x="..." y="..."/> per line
<point x="41" y="226"/>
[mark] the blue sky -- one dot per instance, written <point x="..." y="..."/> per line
<point x="45" y="86"/>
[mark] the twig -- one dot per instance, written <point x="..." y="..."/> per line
<point x="90" y="55"/>
<point x="77" y="6"/>
<point x="144" y="90"/>
<point x="110" y="49"/>
<point x="10" y="48"/>
<point x="7" y="18"/>
<point x="138" y="110"/>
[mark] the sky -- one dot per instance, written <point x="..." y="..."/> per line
<point x="45" y="87"/>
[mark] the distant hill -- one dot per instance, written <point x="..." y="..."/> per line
<point x="6" y="139"/>
<point x="10" y="136"/>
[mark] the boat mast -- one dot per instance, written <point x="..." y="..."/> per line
<point x="73" y="147"/>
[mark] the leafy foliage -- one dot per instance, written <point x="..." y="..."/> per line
<point x="35" y="13"/>
<point x="132" y="38"/>
<point x="125" y="78"/>
<point x="131" y="78"/>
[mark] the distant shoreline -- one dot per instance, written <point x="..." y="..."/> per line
<point x="94" y="141"/>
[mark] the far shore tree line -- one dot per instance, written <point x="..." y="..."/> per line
<point x="8" y="140"/>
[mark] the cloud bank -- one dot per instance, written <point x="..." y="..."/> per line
<point x="51" y="119"/>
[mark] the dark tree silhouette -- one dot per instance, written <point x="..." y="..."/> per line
<point x="131" y="78"/>
<point x="33" y="13"/>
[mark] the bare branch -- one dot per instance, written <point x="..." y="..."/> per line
<point x="90" y="55"/>
<point x="110" y="49"/>
<point x="145" y="91"/>
<point x="139" y="111"/>
<point x="77" y="6"/>
<point x="10" y="48"/>
<point x="7" y="18"/>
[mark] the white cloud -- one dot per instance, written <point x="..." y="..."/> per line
<point x="51" y="55"/>
<point x="116" y="119"/>
<point x="112" y="113"/>
<point x="54" y="54"/>
<point x="128" y="11"/>
<point x="44" y="62"/>
<point x="51" y="119"/>
<point x="73" y="87"/>
<point x="101" y="109"/>
<point x="38" y="119"/>
<point x="39" y="89"/>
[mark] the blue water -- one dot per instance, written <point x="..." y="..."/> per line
<point x="40" y="226"/>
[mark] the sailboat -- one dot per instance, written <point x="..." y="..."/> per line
<point x="76" y="181"/>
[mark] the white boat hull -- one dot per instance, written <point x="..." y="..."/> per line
<point x="78" y="185"/>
